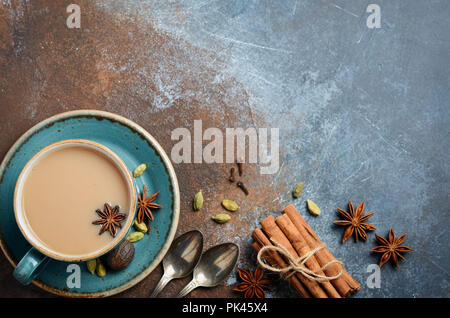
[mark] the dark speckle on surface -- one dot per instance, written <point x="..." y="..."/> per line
<point x="363" y="113"/>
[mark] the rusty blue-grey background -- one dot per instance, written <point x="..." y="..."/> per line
<point x="363" y="114"/>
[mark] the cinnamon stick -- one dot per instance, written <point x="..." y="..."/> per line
<point x="345" y="284"/>
<point x="302" y="249"/>
<point x="273" y="231"/>
<point x="276" y="261"/>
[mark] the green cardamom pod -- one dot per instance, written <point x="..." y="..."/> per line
<point x="198" y="201"/>
<point x="141" y="227"/>
<point x="100" y="269"/>
<point x="135" y="236"/>
<point x="298" y="189"/>
<point x="91" y="265"/>
<point x="230" y="205"/>
<point x="139" y="170"/>
<point x="313" y="208"/>
<point x="221" y="218"/>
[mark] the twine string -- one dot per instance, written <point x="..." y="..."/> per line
<point x="297" y="265"/>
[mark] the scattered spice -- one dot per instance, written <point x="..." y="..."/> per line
<point x="221" y="218"/>
<point x="298" y="189"/>
<point x="391" y="248"/>
<point x="110" y="219"/>
<point x="253" y="283"/>
<point x="100" y="269"/>
<point x="240" y="168"/>
<point x="135" y="236"/>
<point x="121" y="256"/>
<point x="198" y="201"/>
<point x="313" y="208"/>
<point x="241" y="185"/>
<point x="91" y="265"/>
<point x="141" y="227"/>
<point x="139" y="170"/>
<point x="230" y="205"/>
<point x="232" y="177"/>
<point x="146" y="204"/>
<point x="355" y="222"/>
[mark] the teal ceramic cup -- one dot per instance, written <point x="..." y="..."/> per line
<point x="35" y="260"/>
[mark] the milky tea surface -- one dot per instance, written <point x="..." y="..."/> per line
<point x="61" y="194"/>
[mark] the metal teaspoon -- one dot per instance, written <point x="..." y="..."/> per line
<point x="181" y="258"/>
<point x="214" y="266"/>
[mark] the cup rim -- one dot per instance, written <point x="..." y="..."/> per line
<point x="21" y="217"/>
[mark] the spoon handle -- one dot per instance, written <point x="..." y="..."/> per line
<point x="188" y="288"/>
<point x="161" y="284"/>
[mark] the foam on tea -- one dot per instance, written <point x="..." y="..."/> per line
<point x="62" y="192"/>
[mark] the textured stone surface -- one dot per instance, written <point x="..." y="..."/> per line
<point x="363" y="113"/>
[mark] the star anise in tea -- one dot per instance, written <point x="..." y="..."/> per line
<point x="391" y="248"/>
<point x="355" y="220"/>
<point x="110" y="219"/>
<point x="145" y="205"/>
<point x="253" y="283"/>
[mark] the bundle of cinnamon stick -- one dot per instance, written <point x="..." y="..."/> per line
<point x="292" y="232"/>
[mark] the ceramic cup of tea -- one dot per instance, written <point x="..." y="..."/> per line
<point x="60" y="193"/>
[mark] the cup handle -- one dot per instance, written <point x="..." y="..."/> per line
<point x="30" y="266"/>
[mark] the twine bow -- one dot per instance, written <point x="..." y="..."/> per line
<point x="297" y="265"/>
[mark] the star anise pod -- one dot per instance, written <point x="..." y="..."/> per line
<point x="355" y="222"/>
<point x="253" y="283"/>
<point x="145" y="205"/>
<point x="110" y="219"/>
<point x="391" y="248"/>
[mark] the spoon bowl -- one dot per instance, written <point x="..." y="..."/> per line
<point x="180" y="260"/>
<point x="214" y="267"/>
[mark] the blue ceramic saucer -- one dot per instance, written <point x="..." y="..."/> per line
<point x="134" y="146"/>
